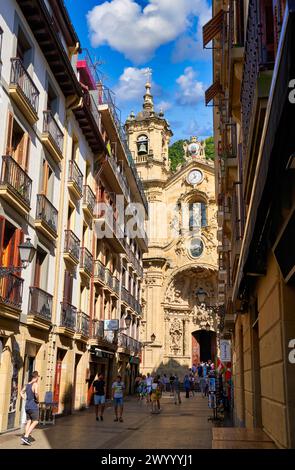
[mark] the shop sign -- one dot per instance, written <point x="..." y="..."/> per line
<point x="111" y="325"/>
<point x="225" y="350"/>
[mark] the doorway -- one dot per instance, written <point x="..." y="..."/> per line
<point x="203" y="346"/>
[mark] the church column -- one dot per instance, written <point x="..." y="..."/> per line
<point x="187" y="337"/>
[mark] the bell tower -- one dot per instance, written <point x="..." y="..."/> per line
<point x="149" y="136"/>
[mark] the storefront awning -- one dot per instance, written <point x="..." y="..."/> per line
<point x="101" y="353"/>
<point x="212" y="91"/>
<point x="213" y="27"/>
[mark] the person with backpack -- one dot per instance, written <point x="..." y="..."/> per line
<point x="30" y="393"/>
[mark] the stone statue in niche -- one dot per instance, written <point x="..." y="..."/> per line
<point x="175" y="337"/>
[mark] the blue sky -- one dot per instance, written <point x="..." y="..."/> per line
<point x="129" y="36"/>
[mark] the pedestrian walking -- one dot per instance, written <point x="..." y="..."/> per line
<point x="192" y="384"/>
<point x="156" y="395"/>
<point x="149" y="381"/>
<point x="30" y="393"/>
<point x="166" y="382"/>
<point x="99" y="396"/>
<point x="171" y="380"/>
<point x="118" y="388"/>
<point x="176" y="390"/>
<point x="187" y="386"/>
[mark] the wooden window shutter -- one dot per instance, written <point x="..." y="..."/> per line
<point x="22" y="153"/>
<point x="9" y="148"/>
<point x="2" y="228"/>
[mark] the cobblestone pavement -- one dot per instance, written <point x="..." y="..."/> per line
<point x="183" y="426"/>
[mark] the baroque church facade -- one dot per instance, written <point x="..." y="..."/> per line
<point x="180" y="322"/>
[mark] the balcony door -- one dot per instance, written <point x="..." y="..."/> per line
<point x="10" y="238"/>
<point x="17" y="143"/>
<point x="68" y="287"/>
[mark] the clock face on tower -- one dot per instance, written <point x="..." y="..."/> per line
<point x="195" y="177"/>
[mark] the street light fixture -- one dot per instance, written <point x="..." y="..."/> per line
<point x="26" y="253"/>
<point x="128" y="320"/>
<point x="147" y="343"/>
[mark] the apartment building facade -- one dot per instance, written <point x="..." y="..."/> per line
<point x="253" y="121"/>
<point x="62" y="153"/>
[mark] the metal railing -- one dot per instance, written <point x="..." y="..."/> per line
<point x="257" y="58"/>
<point x="86" y="260"/>
<point x="68" y="318"/>
<point x="99" y="270"/>
<point x="75" y="175"/>
<point x="20" y="77"/>
<point x="46" y="211"/>
<point x="83" y="323"/>
<point x="88" y="198"/>
<point x="11" y="290"/>
<point x="126" y="342"/>
<point x="109" y="278"/>
<point x="40" y="303"/>
<point x="51" y="127"/>
<point x="14" y="176"/>
<point x="125" y="295"/>
<point x="116" y="285"/>
<point x="97" y="329"/>
<point x="72" y="244"/>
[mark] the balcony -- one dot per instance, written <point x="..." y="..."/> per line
<point x="109" y="226"/>
<point x="257" y="75"/>
<point x="68" y="320"/>
<point x="71" y="248"/>
<point x="126" y="343"/>
<point x="75" y="180"/>
<point x="23" y="91"/>
<point x="83" y="327"/>
<point x="99" y="273"/>
<point x="11" y="292"/>
<point x="126" y="296"/>
<point x="15" y="185"/>
<point x="52" y="137"/>
<point x="113" y="173"/>
<point x="108" y="280"/>
<point x="86" y="263"/>
<point x="46" y="218"/>
<point x="40" y="309"/>
<point x="116" y="286"/>
<point x="88" y="204"/>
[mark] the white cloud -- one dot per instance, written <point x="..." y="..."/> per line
<point x="191" y="91"/>
<point x="198" y="128"/>
<point x="137" y="32"/>
<point x="164" y="106"/>
<point x="131" y="84"/>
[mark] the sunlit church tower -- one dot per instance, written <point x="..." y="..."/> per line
<point x="179" y="326"/>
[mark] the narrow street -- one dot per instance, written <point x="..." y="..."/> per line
<point x="182" y="426"/>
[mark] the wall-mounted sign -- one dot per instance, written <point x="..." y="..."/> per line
<point x="225" y="350"/>
<point x="111" y="325"/>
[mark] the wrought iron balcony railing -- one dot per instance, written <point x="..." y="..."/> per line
<point x="68" y="318"/>
<point x="46" y="211"/>
<point x="83" y="323"/>
<point x="99" y="271"/>
<point x="16" y="178"/>
<point x="72" y="244"/>
<point x="88" y="198"/>
<point x="86" y="260"/>
<point x="51" y="127"/>
<point x="257" y="58"/>
<point x="20" y="77"/>
<point x="11" y="290"/>
<point x="116" y="285"/>
<point x="109" y="278"/>
<point x="40" y="303"/>
<point x="75" y="175"/>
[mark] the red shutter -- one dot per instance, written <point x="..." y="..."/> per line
<point x="2" y="228"/>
